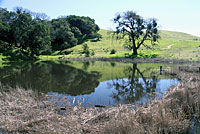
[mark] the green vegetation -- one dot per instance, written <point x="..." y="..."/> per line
<point x="167" y="49"/>
<point x="86" y="50"/>
<point x="72" y="30"/>
<point x="113" y="51"/>
<point x="1" y="58"/>
<point x="172" y="35"/>
<point x="22" y="34"/>
<point x="25" y="35"/>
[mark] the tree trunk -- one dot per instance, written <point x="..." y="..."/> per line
<point x="135" y="51"/>
<point x="134" y="47"/>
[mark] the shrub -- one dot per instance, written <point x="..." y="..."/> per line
<point x="86" y="50"/>
<point x="92" y="53"/>
<point x="113" y="51"/>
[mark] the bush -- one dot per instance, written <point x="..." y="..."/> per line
<point x="86" y="50"/>
<point x="92" y="53"/>
<point x="87" y="53"/>
<point x="113" y="51"/>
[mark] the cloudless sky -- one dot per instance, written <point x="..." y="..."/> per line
<point x="174" y="15"/>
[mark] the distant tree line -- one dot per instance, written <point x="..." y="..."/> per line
<point x="31" y="34"/>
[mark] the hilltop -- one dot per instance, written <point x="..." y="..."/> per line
<point x="172" y="35"/>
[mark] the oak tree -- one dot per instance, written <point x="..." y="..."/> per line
<point x="136" y="30"/>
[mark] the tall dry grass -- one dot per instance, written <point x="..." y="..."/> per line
<point x="22" y="111"/>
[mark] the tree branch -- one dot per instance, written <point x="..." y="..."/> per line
<point x="144" y="38"/>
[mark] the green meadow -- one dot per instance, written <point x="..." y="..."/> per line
<point x="172" y="45"/>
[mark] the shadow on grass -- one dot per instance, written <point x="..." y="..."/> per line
<point x="95" y="40"/>
<point x="17" y="56"/>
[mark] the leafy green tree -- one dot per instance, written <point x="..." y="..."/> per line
<point x="61" y="34"/>
<point x="21" y="27"/>
<point x="137" y="29"/>
<point x="4" y="32"/>
<point x="31" y="36"/>
<point x="40" y="40"/>
<point x="83" y="27"/>
<point x="6" y="36"/>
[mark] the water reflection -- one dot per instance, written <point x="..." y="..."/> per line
<point x="50" y="76"/>
<point x="136" y="85"/>
<point x="102" y="83"/>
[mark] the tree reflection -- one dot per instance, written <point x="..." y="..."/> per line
<point x="50" y="76"/>
<point x="136" y="86"/>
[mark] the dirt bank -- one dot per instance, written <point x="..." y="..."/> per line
<point x="133" y="60"/>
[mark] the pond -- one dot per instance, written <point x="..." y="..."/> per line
<point x="90" y="83"/>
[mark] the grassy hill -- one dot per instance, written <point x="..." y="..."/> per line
<point x="171" y="35"/>
<point x="172" y="45"/>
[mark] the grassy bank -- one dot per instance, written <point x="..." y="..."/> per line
<point x="24" y="111"/>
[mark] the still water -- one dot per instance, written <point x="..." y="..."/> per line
<point x="90" y="83"/>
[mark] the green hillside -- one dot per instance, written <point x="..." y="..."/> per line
<point x="172" y="45"/>
<point x="171" y="35"/>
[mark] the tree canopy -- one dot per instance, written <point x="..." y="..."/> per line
<point x="32" y="34"/>
<point x="137" y="29"/>
<point x="61" y="35"/>
<point x="83" y="27"/>
<point x="22" y="32"/>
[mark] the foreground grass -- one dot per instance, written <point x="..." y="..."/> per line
<point x="24" y="111"/>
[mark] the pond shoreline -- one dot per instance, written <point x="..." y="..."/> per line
<point x="131" y="60"/>
<point x="114" y="59"/>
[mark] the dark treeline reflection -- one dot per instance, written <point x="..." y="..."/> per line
<point x="49" y="76"/>
<point x="136" y="85"/>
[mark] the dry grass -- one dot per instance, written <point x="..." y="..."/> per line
<point x="21" y="111"/>
<point x="172" y="114"/>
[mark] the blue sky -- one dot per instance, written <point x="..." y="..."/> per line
<point x="174" y="15"/>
